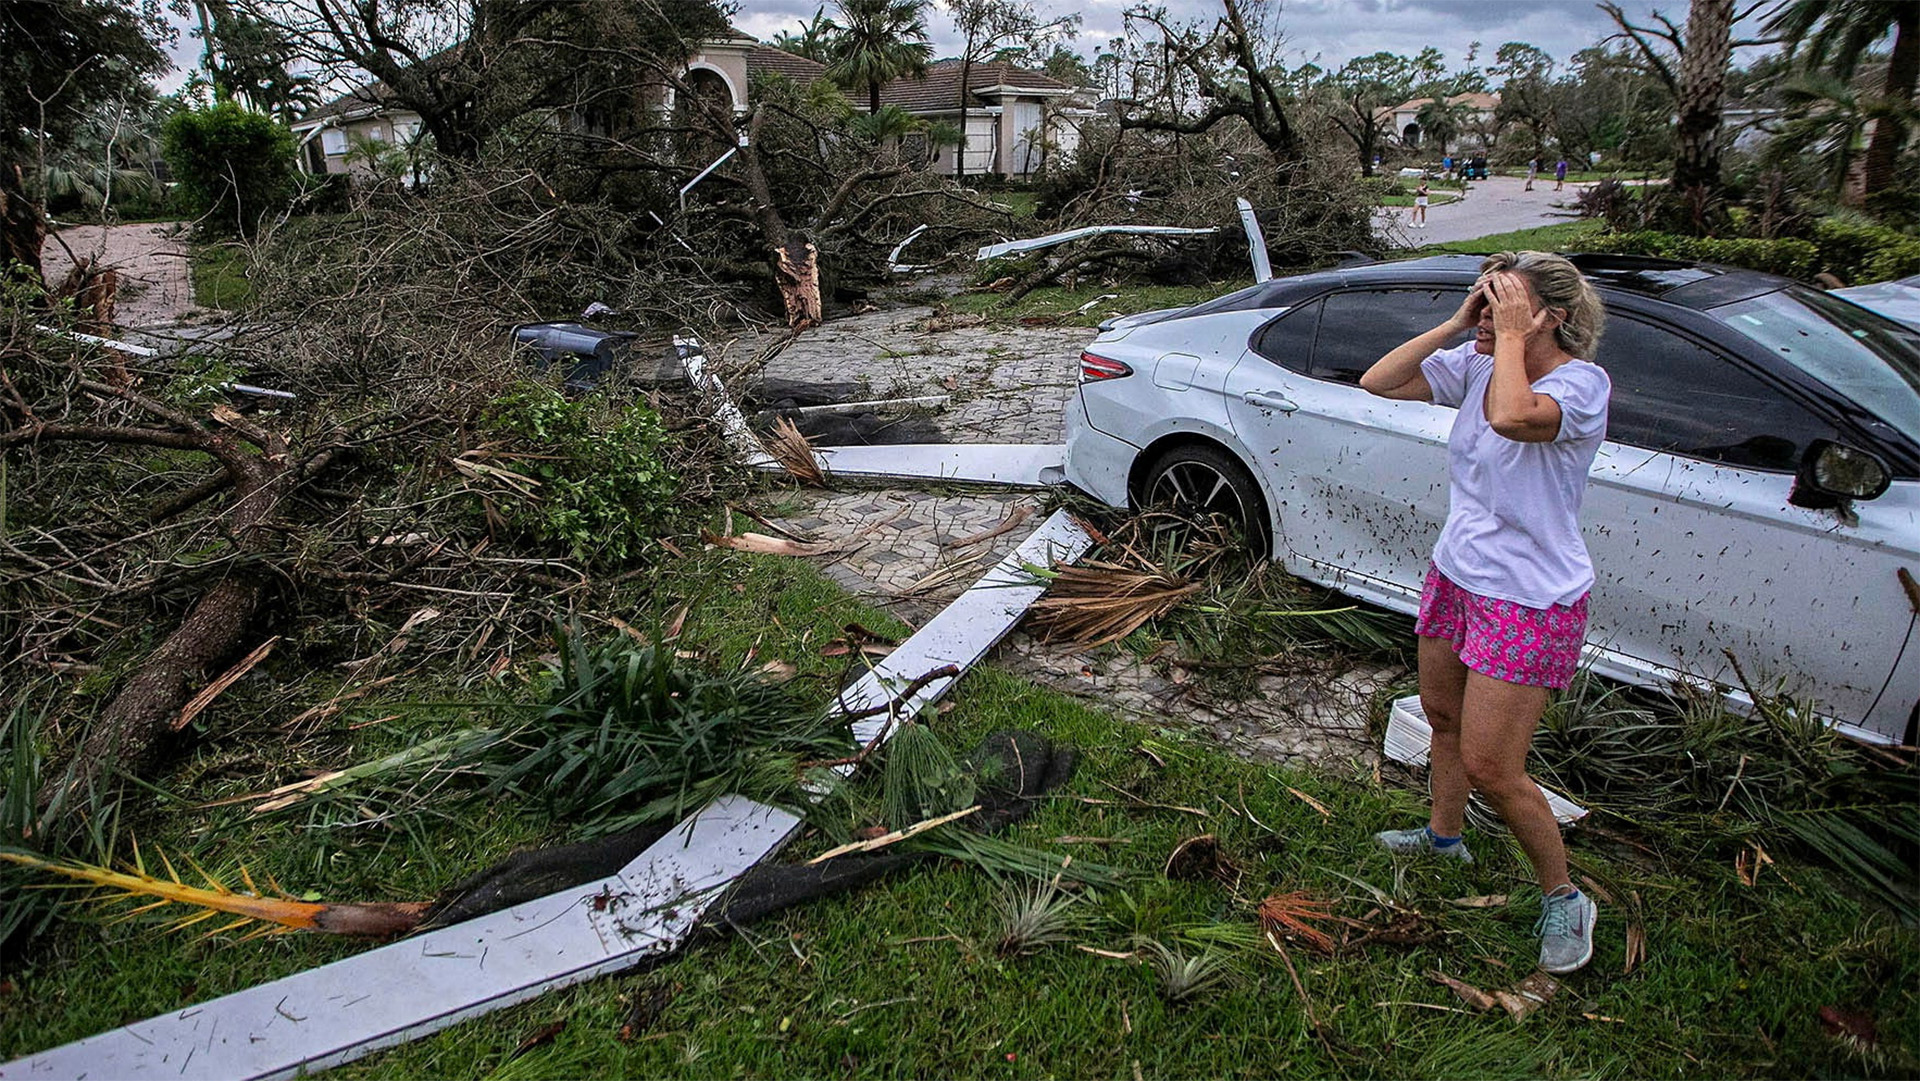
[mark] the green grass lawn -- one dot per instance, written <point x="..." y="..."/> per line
<point x="903" y="978"/>
<point x="220" y="276"/>
<point x="1561" y="236"/>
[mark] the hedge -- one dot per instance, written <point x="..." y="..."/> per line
<point x="1854" y="251"/>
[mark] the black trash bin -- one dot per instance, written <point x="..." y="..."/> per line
<point x="588" y="355"/>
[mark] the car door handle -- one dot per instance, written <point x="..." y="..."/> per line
<point x="1269" y="399"/>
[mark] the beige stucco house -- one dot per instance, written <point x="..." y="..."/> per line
<point x="1016" y="118"/>
<point x="1405" y="126"/>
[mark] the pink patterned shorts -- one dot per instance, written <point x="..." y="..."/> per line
<point x="1537" y="647"/>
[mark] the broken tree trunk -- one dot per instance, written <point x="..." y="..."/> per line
<point x="131" y="729"/>
<point x="22" y="230"/>
<point x="797" y="268"/>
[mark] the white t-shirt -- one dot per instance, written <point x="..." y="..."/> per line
<point x="1513" y="511"/>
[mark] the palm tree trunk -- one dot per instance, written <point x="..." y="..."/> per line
<point x="873" y="98"/>
<point x="1703" y="81"/>
<point x="1903" y="70"/>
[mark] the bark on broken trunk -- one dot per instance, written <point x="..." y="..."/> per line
<point x="797" y="271"/>
<point x="22" y="230"/>
<point x="130" y="730"/>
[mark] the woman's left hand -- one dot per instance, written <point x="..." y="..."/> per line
<point x="1511" y="302"/>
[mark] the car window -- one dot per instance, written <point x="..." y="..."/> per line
<point x="1873" y="361"/>
<point x="1288" y="340"/>
<point x="1361" y="326"/>
<point x="1672" y="394"/>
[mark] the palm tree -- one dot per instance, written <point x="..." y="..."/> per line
<point x="880" y="41"/>
<point x="1834" y="34"/>
<point x="814" y="41"/>
<point x="1442" y="121"/>
<point x="1829" y="123"/>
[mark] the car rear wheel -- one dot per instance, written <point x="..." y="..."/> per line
<point x="1200" y="481"/>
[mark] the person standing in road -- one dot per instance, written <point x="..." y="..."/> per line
<point x="1503" y="614"/>
<point x="1560" y="175"/>
<point x="1533" y="170"/>
<point x="1420" y="196"/>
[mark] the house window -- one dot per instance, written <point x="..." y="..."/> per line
<point x="333" y="141"/>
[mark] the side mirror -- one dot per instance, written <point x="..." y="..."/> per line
<point x="1833" y="474"/>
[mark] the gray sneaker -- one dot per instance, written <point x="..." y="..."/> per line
<point x="1566" y="931"/>
<point x="1420" y="840"/>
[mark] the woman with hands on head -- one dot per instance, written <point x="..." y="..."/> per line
<point x="1504" y="610"/>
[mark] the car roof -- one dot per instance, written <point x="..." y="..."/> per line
<point x="1691" y="285"/>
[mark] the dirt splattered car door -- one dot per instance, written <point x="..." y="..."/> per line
<point x="1698" y="551"/>
<point x="1362" y="480"/>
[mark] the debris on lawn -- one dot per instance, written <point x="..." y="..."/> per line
<point x="1103" y="600"/>
<point x="269" y="915"/>
<point x="1298" y="915"/>
<point x="1021" y="465"/>
<point x="1012" y="247"/>
<point x="1520" y="1001"/>
<point x="774" y="546"/>
<point x="895" y="266"/>
<point x="1409" y="736"/>
<point x="649" y="906"/>
<point x="1198" y="858"/>
<point x="793" y="453"/>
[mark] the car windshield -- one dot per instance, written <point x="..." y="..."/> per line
<point x="1874" y="361"/>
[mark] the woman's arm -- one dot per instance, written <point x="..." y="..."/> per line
<point x="1514" y="408"/>
<point x="1397" y="375"/>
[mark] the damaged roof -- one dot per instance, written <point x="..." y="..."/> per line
<point x="939" y="89"/>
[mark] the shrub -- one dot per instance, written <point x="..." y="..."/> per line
<point x="233" y="165"/>
<point x="1791" y="258"/>
<point x="603" y="488"/>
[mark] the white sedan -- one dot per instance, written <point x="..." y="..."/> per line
<point x="1758" y="495"/>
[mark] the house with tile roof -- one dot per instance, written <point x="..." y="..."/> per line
<point x="1016" y="117"/>
<point x="726" y="66"/>
<point x="1406" y="116"/>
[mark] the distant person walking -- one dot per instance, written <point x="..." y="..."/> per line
<point x="1533" y="170"/>
<point x="1420" y="195"/>
<point x="1560" y="175"/>
<point x="1446" y="167"/>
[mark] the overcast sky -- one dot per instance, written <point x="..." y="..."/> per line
<point x="1330" y="32"/>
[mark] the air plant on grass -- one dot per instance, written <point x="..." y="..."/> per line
<point x="629" y="734"/>
<point x="1186" y="976"/>
<point x="1035" y="916"/>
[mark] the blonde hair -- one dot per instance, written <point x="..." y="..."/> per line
<point x="1558" y="284"/>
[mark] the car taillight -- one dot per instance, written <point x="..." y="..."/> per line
<point x="1096" y="368"/>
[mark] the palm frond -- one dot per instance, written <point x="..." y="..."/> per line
<point x="794" y="452"/>
<point x="272" y="915"/>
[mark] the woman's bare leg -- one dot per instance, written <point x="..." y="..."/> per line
<point x="1443" y="685"/>
<point x="1497" y="720"/>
